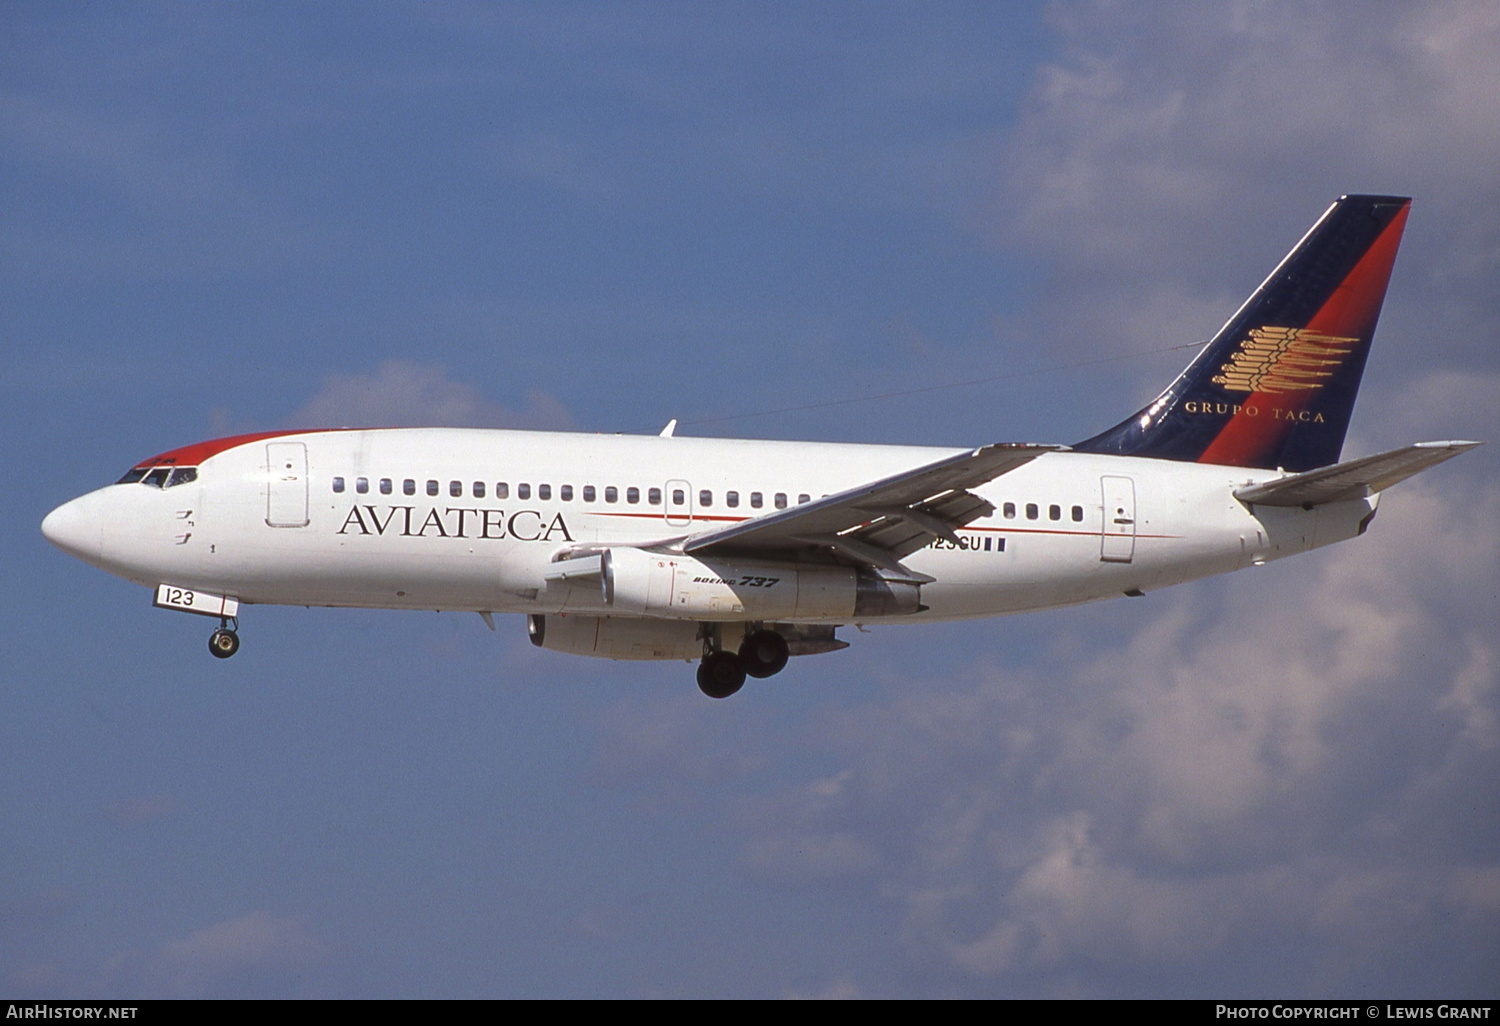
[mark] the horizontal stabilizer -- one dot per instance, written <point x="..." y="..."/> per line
<point x="1355" y="479"/>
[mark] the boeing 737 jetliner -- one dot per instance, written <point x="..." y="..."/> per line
<point x="740" y="554"/>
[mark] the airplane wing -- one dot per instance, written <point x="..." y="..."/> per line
<point x="1354" y="479"/>
<point x="876" y="524"/>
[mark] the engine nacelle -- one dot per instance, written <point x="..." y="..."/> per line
<point x="615" y="637"/>
<point x="640" y="583"/>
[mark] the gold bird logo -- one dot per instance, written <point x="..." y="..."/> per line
<point x="1279" y="361"/>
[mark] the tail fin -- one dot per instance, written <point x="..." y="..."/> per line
<point x="1275" y="387"/>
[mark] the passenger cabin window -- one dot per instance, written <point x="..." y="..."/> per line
<point x="565" y="493"/>
<point x="502" y="490"/>
<point x="732" y="499"/>
<point x="456" y="489"/>
<point x="478" y="487"/>
<point x="408" y="487"/>
<point x="1009" y="509"/>
<point x="544" y="492"/>
<point x="804" y="497"/>
<point x="611" y="493"/>
<point x="338" y="485"/>
<point x="632" y="495"/>
<point x="781" y="500"/>
<point x="756" y="500"/>
<point x="705" y="497"/>
<point x="362" y="485"/>
<point x="1054" y="512"/>
<point x="1031" y="511"/>
<point x="653" y="496"/>
<point x="679" y="497"/>
<point x="385" y="486"/>
<point x="1077" y="514"/>
<point x="432" y="487"/>
<point x="523" y="491"/>
<point x="589" y="493"/>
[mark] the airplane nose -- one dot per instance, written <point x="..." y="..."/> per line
<point x="75" y="528"/>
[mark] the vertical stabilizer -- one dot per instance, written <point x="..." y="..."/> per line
<point x="1275" y="387"/>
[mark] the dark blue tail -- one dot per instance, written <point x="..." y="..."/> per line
<point x="1275" y="387"/>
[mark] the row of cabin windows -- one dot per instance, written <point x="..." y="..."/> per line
<point x="565" y="493"/>
<point x="1034" y="512"/>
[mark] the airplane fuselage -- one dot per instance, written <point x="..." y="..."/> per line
<point x="458" y="519"/>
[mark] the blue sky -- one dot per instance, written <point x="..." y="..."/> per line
<point x="238" y="217"/>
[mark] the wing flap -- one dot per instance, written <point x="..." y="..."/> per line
<point x="877" y="523"/>
<point x="1353" y="479"/>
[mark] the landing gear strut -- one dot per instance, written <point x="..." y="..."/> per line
<point x="225" y="641"/>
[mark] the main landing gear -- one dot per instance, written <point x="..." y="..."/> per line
<point x="763" y="653"/>
<point x="225" y="641"/>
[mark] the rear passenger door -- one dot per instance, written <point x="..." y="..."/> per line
<point x="1117" y="542"/>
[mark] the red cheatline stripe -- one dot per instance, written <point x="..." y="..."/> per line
<point x="1348" y="312"/>
<point x="967" y="527"/>
<point x="659" y="516"/>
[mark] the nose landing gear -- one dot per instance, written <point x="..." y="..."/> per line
<point x="225" y="641"/>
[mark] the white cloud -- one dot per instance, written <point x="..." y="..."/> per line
<point x="404" y="394"/>
<point x="1186" y="146"/>
<point x="1438" y="405"/>
<point x="252" y="955"/>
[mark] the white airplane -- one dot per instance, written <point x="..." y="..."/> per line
<point x="740" y="554"/>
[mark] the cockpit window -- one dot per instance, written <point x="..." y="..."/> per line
<point x="159" y="477"/>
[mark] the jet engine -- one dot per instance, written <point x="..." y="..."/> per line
<point x="615" y="637"/>
<point x="640" y="583"/>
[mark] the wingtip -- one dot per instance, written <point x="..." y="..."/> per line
<point x="1460" y="445"/>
